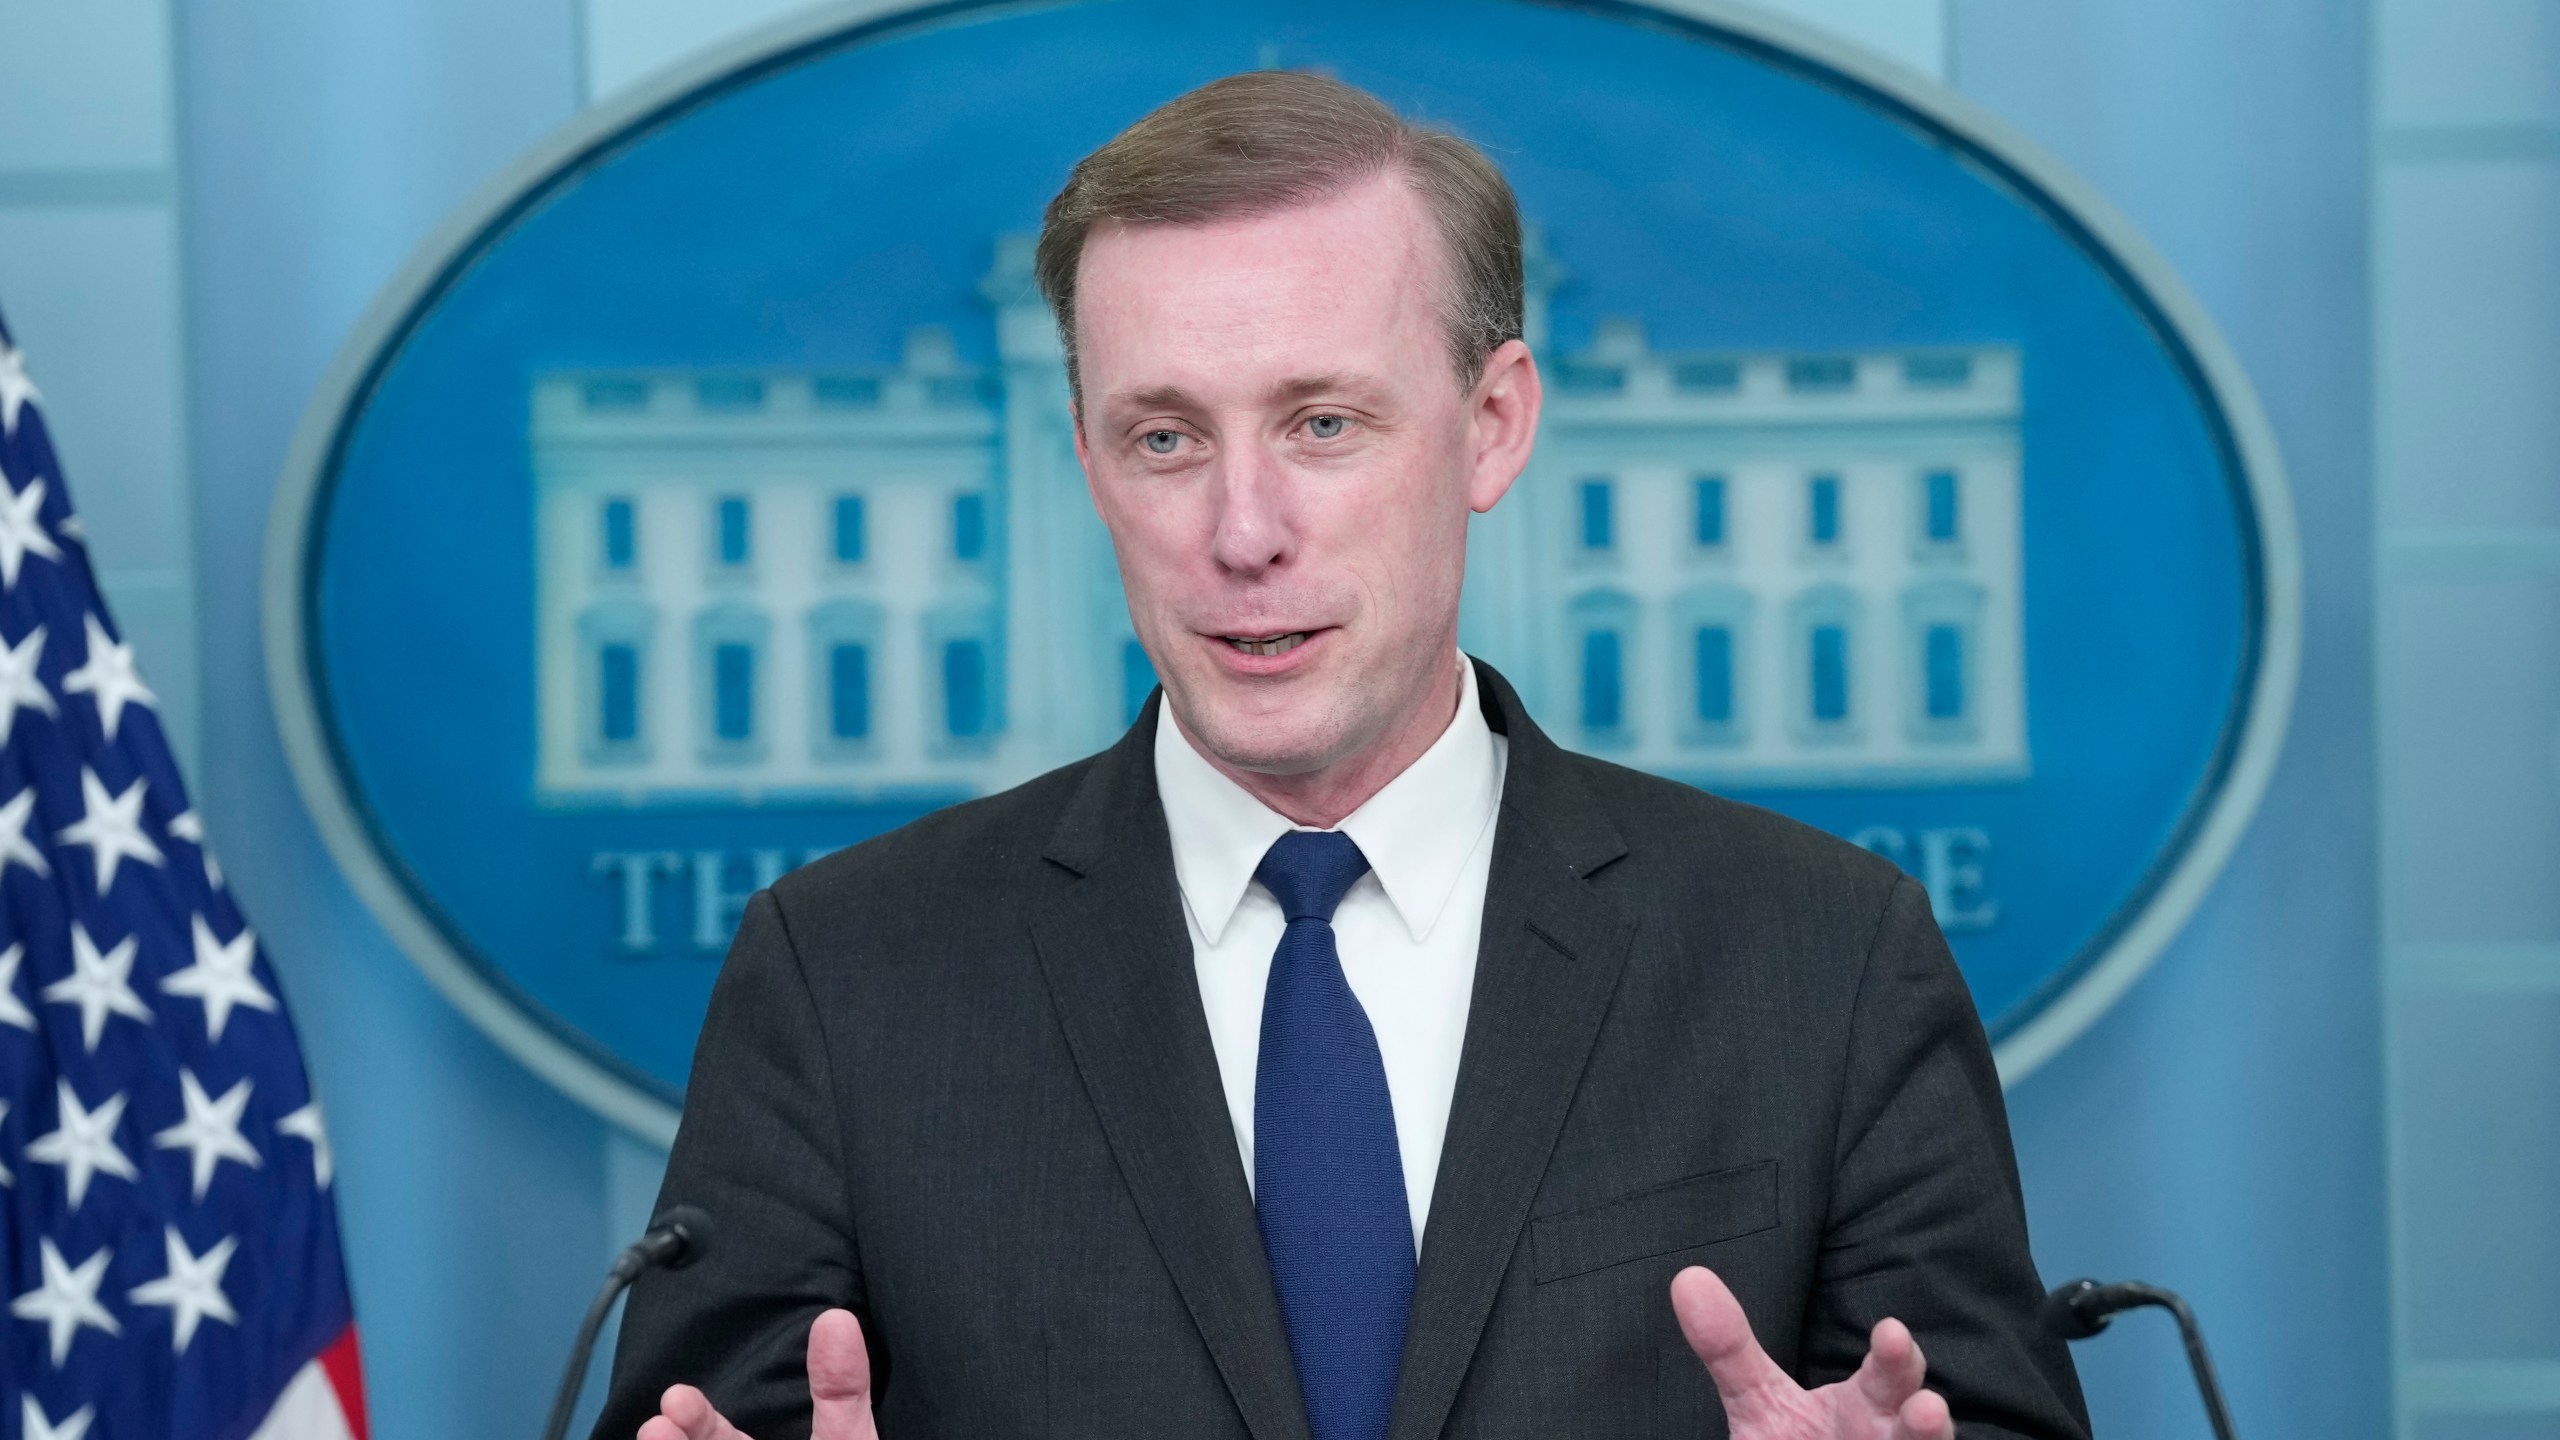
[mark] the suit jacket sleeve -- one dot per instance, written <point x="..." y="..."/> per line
<point x="1927" y="1223"/>
<point x="760" y="1149"/>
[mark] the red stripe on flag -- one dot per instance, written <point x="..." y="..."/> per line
<point x="345" y="1369"/>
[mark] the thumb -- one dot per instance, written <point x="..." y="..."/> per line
<point x="839" y="1379"/>
<point x="1749" y="1382"/>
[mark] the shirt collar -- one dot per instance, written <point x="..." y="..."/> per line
<point x="1418" y="832"/>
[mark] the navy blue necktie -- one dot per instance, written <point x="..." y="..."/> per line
<point x="1328" y="1178"/>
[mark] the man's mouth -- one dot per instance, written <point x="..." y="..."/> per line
<point x="1267" y="644"/>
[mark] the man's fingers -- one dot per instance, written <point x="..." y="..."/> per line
<point x="1925" y="1417"/>
<point x="1893" y="1369"/>
<point x="1889" y="1380"/>
<point x="839" y="1392"/>
<point x="1721" y="1334"/>
<point x="839" y="1379"/>
<point x="685" y="1413"/>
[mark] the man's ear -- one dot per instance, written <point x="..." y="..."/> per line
<point x="1503" y="416"/>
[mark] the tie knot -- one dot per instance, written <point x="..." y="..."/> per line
<point x="1309" y="871"/>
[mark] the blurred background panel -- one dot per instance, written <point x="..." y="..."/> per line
<point x="2466" y="295"/>
<point x="90" y="257"/>
<point x="2331" y="1114"/>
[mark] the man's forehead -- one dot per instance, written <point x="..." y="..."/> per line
<point x="1379" y="229"/>
<point x="1279" y="293"/>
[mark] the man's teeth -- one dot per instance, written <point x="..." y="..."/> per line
<point x="1268" y="644"/>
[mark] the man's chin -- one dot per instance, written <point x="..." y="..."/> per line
<point x="1261" y="757"/>
<point x="1291" y="742"/>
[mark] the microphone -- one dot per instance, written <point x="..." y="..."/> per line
<point x="680" y="1236"/>
<point x="2082" y="1308"/>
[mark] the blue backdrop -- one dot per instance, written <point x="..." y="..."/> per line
<point x="813" y="217"/>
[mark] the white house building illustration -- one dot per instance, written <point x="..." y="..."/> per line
<point x="1747" y="569"/>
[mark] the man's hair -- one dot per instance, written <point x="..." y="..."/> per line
<point x="1267" y="140"/>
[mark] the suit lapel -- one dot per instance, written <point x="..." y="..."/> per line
<point x="1118" y="962"/>
<point x="1545" y="970"/>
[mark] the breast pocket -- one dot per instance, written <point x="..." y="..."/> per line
<point x="1682" y="1215"/>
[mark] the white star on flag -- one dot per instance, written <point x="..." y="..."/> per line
<point x="5" y="1177"/>
<point x="307" y="1124"/>
<point x="74" y="1426"/>
<point x="19" y="684"/>
<point x="185" y="826"/>
<point x="221" y="978"/>
<point x="98" y="984"/>
<point x="193" y="1287"/>
<point x="68" y="1299"/>
<point x="112" y="828"/>
<point x="85" y="1145"/>
<point x="15" y="388"/>
<point x="110" y="675"/>
<point x="14" y="1011"/>
<point x="15" y="847"/>
<point x="22" y="532"/>
<point x="211" y="1132"/>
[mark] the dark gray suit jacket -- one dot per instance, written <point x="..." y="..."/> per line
<point x="958" y="1078"/>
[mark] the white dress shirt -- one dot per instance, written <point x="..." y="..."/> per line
<point x="1407" y="931"/>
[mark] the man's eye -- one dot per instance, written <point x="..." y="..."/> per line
<point x="1327" y="427"/>
<point x="1161" y="442"/>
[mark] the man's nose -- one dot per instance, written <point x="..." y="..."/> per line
<point x="1253" y="532"/>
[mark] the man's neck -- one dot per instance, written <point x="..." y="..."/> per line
<point x="1321" y="798"/>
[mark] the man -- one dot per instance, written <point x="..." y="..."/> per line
<point x="1335" y="1056"/>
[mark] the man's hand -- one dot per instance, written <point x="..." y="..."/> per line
<point x="1883" y="1401"/>
<point x="839" y="1392"/>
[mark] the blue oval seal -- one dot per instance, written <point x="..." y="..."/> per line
<point x="703" y="498"/>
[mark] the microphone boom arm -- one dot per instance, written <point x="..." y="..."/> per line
<point x="2082" y="1308"/>
<point x="677" y="1239"/>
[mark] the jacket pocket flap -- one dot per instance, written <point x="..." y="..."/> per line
<point x="1682" y="1215"/>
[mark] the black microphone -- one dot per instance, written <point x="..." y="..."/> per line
<point x="679" y="1237"/>
<point x="2082" y="1308"/>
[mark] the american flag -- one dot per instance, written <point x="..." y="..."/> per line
<point x="167" y="1231"/>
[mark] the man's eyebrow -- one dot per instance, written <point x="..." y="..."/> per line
<point x="1306" y="386"/>
<point x="1154" y="397"/>
<point x="1290" y="391"/>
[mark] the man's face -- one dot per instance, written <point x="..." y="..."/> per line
<point x="1273" y="430"/>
